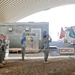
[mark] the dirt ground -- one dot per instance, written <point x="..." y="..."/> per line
<point x="58" y="66"/>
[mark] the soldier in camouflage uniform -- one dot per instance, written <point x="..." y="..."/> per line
<point x="47" y="40"/>
<point x="23" y="45"/>
<point x="2" y="49"/>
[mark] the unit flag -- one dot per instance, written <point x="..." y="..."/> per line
<point x="72" y="33"/>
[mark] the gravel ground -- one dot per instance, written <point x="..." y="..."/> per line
<point x="58" y="66"/>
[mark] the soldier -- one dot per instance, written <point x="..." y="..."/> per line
<point x="47" y="40"/>
<point x="1" y="58"/>
<point x="23" y="45"/>
<point x="2" y="49"/>
<point x="7" y="46"/>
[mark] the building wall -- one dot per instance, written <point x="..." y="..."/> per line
<point x="15" y="31"/>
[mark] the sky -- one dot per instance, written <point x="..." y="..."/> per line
<point x="62" y="16"/>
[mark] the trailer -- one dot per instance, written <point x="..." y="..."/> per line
<point x="34" y="34"/>
<point x="67" y="38"/>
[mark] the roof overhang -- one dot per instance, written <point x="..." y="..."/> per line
<point x="14" y="10"/>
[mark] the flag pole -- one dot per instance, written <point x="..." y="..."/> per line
<point x="62" y="35"/>
<point x="65" y="41"/>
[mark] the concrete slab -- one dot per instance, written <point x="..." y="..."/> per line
<point x="51" y="57"/>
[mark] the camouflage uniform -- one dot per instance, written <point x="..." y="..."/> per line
<point x="23" y="50"/>
<point x="46" y="48"/>
<point x="23" y="45"/>
<point x="2" y="49"/>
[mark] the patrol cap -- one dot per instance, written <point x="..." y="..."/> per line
<point x="24" y="35"/>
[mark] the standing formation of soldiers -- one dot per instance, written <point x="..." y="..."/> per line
<point x="4" y="44"/>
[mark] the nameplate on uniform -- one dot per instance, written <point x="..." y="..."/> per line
<point x="66" y="50"/>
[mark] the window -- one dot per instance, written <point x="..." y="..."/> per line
<point x="37" y="31"/>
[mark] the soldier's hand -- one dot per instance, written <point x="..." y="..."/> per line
<point x="3" y="44"/>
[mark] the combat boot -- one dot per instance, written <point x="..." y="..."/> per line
<point x="46" y="62"/>
<point x="1" y="65"/>
<point x="3" y="62"/>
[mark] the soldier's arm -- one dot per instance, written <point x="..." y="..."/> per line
<point x="50" y="39"/>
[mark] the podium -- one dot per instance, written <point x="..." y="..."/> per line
<point x="66" y="50"/>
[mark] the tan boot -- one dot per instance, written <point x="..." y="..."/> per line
<point x="46" y="62"/>
<point x="3" y="62"/>
<point x="1" y="65"/>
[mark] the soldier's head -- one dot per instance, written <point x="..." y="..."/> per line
<point x="24" y="35"/>
<point x="2" y="36"/>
